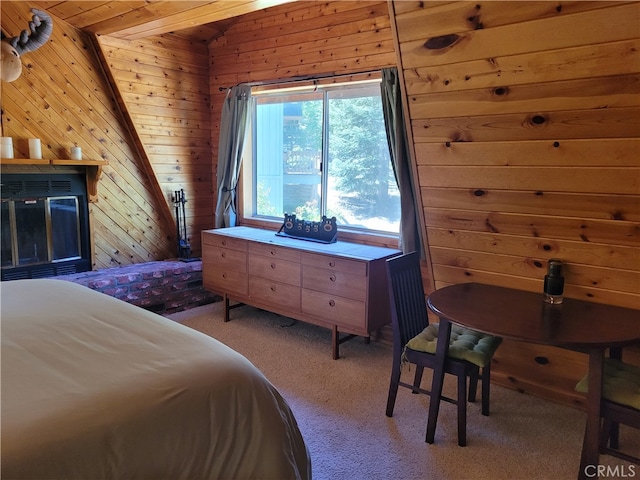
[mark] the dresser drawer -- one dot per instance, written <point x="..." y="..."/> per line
<point x="275" y="293"/>
<point x="273" y="251"/>
<point x="335" y="263"/>
<point x="224" y="259"/>
<point x="335" y="282"/>
<point x="224" y="270"/>
<point x="222" y="241"/>
<point x="225" y="280"/>
<point x="275" y="269"/>
<point x="333" y="309"/>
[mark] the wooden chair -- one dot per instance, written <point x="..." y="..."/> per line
<point x="414" y="341"/>
<point x="620" y="404"/>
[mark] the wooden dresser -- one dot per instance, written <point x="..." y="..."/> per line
<point x="341" y="286"/>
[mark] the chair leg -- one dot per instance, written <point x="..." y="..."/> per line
<point x="462" y="409"/>
<point x="613" y="428"/>
<point x="393" y="385"/>
<point x="486" y="388"/>
<point x="473" y="385"/>
<point x="614" y="436"/>
<point x="417" y="380"/>
<point x="605" y="433"/>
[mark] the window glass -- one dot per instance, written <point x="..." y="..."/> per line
<point x="324" y="152"/>
<point x="65" y="228"/>
<point x="5" y="232"/>
<point x="31" y="226"/>
<point x="288" y="155"/>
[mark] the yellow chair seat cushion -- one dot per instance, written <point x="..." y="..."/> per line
<point x="474" y="347"/>
<point x="621" y="383"/>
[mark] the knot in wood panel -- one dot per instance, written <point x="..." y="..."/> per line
<point x="474" y="19"/>
<point x="490" y="226"/>
<point x="535" y="120"/>
<point x="443" y="41"/>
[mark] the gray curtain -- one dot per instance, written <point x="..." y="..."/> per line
<point x="399" y="151"/>
<point x="233" y="129"/>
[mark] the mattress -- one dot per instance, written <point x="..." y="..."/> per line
<point x="96" y="388"/>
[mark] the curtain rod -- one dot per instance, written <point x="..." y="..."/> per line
<point x="302" y="79"/>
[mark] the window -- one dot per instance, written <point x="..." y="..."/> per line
<point x="322" y="150"/>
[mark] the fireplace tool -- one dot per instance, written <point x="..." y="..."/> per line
<point x="184" y="248"/>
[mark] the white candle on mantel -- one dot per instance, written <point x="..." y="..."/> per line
<point x="76" y="153"/>
<point x="35" y="149"/>
<point x="6" y="147"/>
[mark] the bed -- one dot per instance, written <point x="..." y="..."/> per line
<point x="96" y="388"/>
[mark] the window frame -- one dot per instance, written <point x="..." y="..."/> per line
<point x="246" y="193"/>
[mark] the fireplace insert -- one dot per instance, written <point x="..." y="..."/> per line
<point x="44" y="224"/>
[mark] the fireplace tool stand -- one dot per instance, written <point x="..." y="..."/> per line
<point x="184" y="248"/>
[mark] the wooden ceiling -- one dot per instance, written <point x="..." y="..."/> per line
<point x="134" y="19"/>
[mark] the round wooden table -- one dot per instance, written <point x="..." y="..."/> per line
<point x="524" y="316"/>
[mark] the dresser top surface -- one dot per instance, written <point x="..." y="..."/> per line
<point x="342" y="249"/>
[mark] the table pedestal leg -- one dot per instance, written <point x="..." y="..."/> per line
<point x="590" y="446"/>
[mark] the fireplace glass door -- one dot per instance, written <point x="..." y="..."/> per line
<point x="40" y="230"/>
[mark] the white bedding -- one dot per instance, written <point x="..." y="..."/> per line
<point x="95" y="388"/>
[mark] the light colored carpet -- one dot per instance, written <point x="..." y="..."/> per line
<point x="340" y="408"/>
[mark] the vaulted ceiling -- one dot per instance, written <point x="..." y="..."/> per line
<point x="200" y="19"/>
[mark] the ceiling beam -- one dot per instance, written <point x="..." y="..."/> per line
<point x="168" y="16"/>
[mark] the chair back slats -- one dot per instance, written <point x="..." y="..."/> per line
<point x="407" y="299"/>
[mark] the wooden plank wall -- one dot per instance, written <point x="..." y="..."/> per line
<point x="64" y="99"/>
<point x="296" y="40"/>
<point x="525" y="119"/>
<point x="162" y="85"/>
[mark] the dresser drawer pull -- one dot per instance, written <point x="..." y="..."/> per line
<point x="223" y="255"/>
<point x="224" y="243"/>
<point x="332" y="278"/>
<point x="273" y="265"/>
<point x="224" y="275"/>
<point x="273" y="252"/>
<point x="332" y="264"/>
<point x="273" y="288"/>
<point x="332" y="303"/>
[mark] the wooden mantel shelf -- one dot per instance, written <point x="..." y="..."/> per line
<point x="94" y="169"/>
<point x="51" y="161"/>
